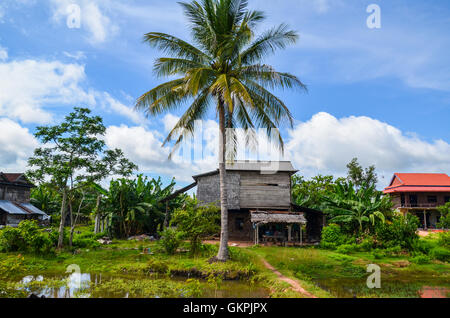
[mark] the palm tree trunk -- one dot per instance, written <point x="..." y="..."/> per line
<point x="63" y="220"/>
<point x="222" y="255"/>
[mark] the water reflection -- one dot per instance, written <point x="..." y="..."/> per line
<point x="82" y="285"/>
<point x="74" y="285"/>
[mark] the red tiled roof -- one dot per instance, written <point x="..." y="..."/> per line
<point x="11" y="177"/>
<point x="419" y="182"/>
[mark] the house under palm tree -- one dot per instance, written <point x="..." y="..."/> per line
<point x="259" y="202"/>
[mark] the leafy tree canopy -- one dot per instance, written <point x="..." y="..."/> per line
<point x="359" y="176"/>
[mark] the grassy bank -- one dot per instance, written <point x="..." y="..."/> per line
<point x="327" y="273"/>
<point x="129" y="271"/>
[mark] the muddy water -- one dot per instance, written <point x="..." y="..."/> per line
<point x="82" y="286"/>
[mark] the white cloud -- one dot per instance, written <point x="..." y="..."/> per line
<point x="110" y="103"/>
<point x="3" y="54"/>
<point x="16" y="144"/>
<point x="29" y="85"/>
<point x="325" y="144"/>
<point x="98" y="25"/>
<point x="78" y="55"/>
<point x="196" y="155"/>
<point x="143" y="147"/>
<point x="169" y="122"/>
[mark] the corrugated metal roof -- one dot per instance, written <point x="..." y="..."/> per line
<point x="261" y="166"/>
<point x="11" y="208"/>
<point x="32" y="208"/>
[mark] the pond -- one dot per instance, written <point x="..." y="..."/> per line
<point x="97" y="285"/>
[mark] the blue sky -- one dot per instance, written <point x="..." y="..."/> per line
<point x="382" y="95"/>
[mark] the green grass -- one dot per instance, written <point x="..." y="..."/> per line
<point x="327" y="273"/>
<point x="324" y="273"/>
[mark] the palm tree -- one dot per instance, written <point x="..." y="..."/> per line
<point x="223" y="68"/>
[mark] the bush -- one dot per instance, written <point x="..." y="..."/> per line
<point x="367" y="244"/>
<point x="10" y="240"/>
<point x="80" y="242"/>
<point x="444" y="239"/>
<point x="377" y="254"/>
<point x="332" y="236"/>
<point x="421" y="259"/>
<point x="170" y="240"/>
<point x="27" y="237"/>
<point x="347" y="248"/>
<point x="400" y="231"/>
<point x="197" y="222"/>
<point x="440" y="253"/>
<point x="393" y="251"/>
<point x="423" y="246"/>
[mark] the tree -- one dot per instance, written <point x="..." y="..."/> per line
<point x="73" y="156"/>
<point x="45" y="198"/>
<point x="223" y="68"/>
<point x="133" y="206"/>
<point x="356" y="208"/>
<point x="310" y="193"/>
<point x="360" y="176"/>
<point x="196" y="222"/>
<point x="444" y="221"/>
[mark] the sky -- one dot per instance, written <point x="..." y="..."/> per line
<point x="379" y="94"/>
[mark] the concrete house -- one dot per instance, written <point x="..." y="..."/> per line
<point x="15" y="203"/>
<point x="420" y="194"/>
<point x="259" y="202"/>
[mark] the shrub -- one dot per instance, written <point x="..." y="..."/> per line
<point x="27" y="237"/>
<point x="332" y="236"/>
<point x="400" y="231"/>
<point x="80" y="242"/>
<point x="197" y="222"/>
<point x="377" y="254"/>
<point x="421" y="259"/>
<point x="393" y="251"/>
<point x="170" y="240"/>
<point x="10" y="240"/>
<point x="423" y="246"/>
<point x="440" y="253"/>
<point x="367" y="244"/>
<point x="444" y="221"/>
<point x="444" y="239"/>
<point x="346" y="248"/>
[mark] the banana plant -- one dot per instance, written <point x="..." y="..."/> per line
<point x="357" y="208"/>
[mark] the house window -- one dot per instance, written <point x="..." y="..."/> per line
<point x="447" y="199"/>
<point x="413" y="200"/>
<point x="402" y="199"/>
<point x="432" y="199"/>
<point x="239" y="224"/>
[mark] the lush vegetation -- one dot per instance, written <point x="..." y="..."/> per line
<point x="134" y="206"/>
<point x="73" y="157"/>
<point x="361" y="219"/>
<point x="444" y="221"/>
<point x="126" y="269"/>
<point x="223" y="69"/>
<point x="196" y="222"/>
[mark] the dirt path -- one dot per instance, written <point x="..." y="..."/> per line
<point x="294" y="284"/>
